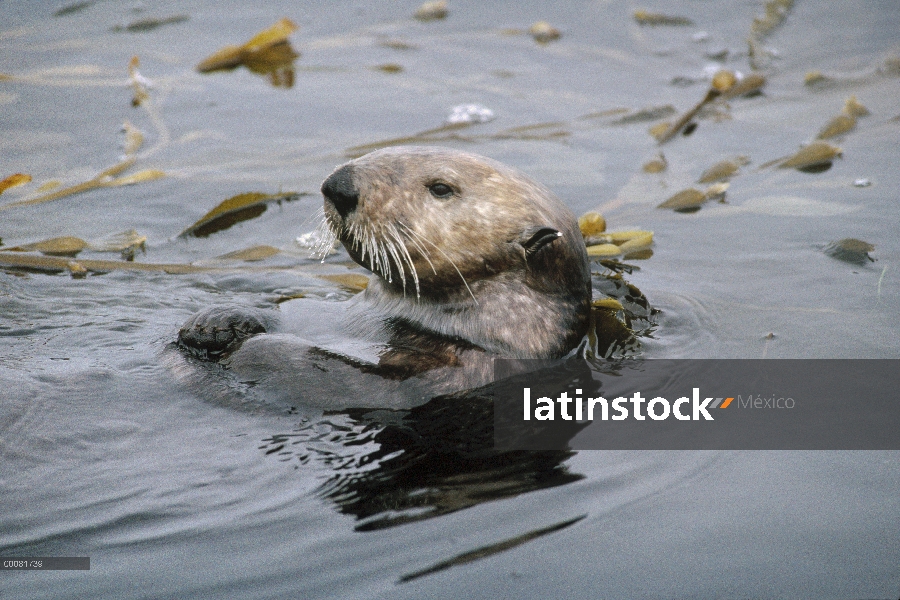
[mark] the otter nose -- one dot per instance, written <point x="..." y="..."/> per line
<point x="339" y="188"/>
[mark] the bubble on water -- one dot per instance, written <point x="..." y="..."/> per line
<point x="470" y="113"/>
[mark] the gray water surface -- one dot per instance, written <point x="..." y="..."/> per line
<point x="104" y="454"/>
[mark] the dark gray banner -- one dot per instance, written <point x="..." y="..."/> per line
<point x="698" y="405"/>
<point x="46" y="563"/>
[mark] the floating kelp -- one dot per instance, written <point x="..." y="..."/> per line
<point x="49" y="185"/>
<point x="839" y="125"/>
<point x="267" y="53"/>
<point x="689" y="200"/>
<point x="14" y="180"/>
<point x="608" y="336"/>
<point x="106" y="178"/>
<point x="604" y="250"/>
<point x="252" y="254"/>
<point x="431" y="11"/>
<point x="813" y="158"/>
<point x="543" y="32"/>
<point x="71" y="9"/>
<point x="850" y="250"/>
<point x="58" y="246"/>
<point x="644" y="17"/>
<point x="646" y="115"/>
<point x="126" y="242"/>
<point x="619" y="315"/>
<point x="389" y="68"/>
<point x="724" y="170"/>
<point x="845" y="121"/>
<point x="853" y="108"/>
<point x="236" y="209"/>
<point x="142" y="25"/>
<point x="354" y="282"/>
<point x="615" y="243"/>
<point x="685" y="120"/>
<point x="746" y="85"/>
<point x="56" y="263"/>
<point x="656" y="165"/>
<point x="591" y="224"/>
<point x="395" y="44"/>
<point x="775" y="13"/>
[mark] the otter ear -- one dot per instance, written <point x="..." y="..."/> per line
<point x="535" y="238"/>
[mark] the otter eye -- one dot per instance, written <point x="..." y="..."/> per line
<point x="440" y="190"/>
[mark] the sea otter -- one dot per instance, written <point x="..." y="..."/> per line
<point x="470" y="259"/>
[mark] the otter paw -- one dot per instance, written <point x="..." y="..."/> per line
<point x="216" y="332"/>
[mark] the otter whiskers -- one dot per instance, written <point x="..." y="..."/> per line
<point x="419" y="236"/>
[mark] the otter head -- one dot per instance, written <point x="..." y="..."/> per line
<point x="465" y="247"/>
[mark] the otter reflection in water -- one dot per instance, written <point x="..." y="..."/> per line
<point x="395" y="467"/>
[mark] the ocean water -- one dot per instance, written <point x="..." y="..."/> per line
<point x="103" y="453"/>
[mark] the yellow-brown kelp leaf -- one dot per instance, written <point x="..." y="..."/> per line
<point x="14" y="180"/>
<point x="660" y="129"/>
<point x="724" y="80"/>
<point x="604" y="250"/>
<point x="431" y="11"/>
<point x="58" y="246"/>
<point x="689" y="200"/>
<point x="850" y="250"/>
<point x="639" y="240"/>
<point x="231" y="57"/>
<point x="252" y="254"/>
<point x="591" y="223"/>
<point x="815" y="78"/>
<point x="838" y="125"/>
<point x="608" y="335"/>
<point x="644" y="17"/>
<point x="77" y="270"/>
<point x="543" y="32"/>
<point x="242" y="207"/>
<point x="684" y="122"/>
<point x="608" y="303"/>
<point x="656" y="165"/>
<point x="352" y="281"/>
<point x="139" y="177"/>
<point x="49" y="185"/>
<point x="853" y="108"/>
<point x="723" y="170"/>
<point x="814" y="158"/>
<point x="17" y="260"/>
<point x="614" y="243"/>
<point x="747" y="86"/>
<point x="389" y="68"/>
